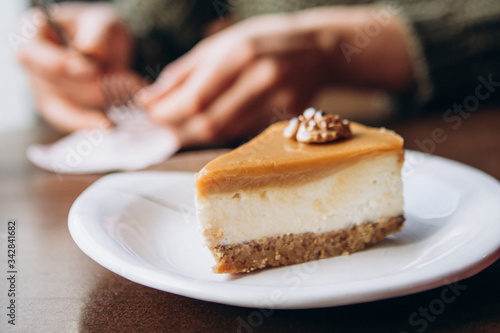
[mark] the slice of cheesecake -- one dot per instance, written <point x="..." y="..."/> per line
<point x="278" y="201"/>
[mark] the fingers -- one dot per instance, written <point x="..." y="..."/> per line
<point x="237" y="108"/>
<point x="103" y="38"/>
<point x="167" y="82"/>
<point x="66" y="78"/>
<point x="45" y="57"/>
<point x="171" y="77"/>
<point x="214" y="71"/>
<point x="53" y="61"/>
<point x="65" y="113"/>
<point x="55" y="71"/>
<point x="68" y="116"/>
<point x="256" y="81"/>
<point x="93" y="30"/>
<point x="69" y="89"/>
<point x="99" y="41"/>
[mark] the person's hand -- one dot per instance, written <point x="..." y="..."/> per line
<point x="237" y="81"/>
<point x="65" y="79"/>
<point x="231" y="82"/>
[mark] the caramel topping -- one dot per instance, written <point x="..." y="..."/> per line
<point x="317" y="127"/>
<point x="272" y="159"/>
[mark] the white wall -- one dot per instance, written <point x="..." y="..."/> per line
<point x="16" y="109"/>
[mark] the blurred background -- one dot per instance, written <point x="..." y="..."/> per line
<point x="16" y="105"/>
<point x="16" y="109"/>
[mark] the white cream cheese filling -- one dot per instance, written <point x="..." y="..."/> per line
<point x="363" y="192"/>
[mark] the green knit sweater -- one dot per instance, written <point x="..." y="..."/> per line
<point x="457" y="42"/>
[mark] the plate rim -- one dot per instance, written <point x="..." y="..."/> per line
<point x="305" y="296"/>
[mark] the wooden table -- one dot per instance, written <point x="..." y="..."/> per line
<point x="60" y="289"/>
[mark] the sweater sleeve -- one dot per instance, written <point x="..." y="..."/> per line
<point x="454" y="43"/>
<point x="459" y="41"/>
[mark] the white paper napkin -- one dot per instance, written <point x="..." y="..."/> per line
<point x="131" y="145"/>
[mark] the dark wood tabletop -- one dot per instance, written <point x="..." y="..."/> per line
<point x="59" y="289"/>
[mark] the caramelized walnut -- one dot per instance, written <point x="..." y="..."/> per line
<point x="317" y="127"/>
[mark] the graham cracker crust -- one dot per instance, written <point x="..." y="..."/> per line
<point x="295" y="249"/>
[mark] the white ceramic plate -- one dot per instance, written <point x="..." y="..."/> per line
<point x="142" y="226"/>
